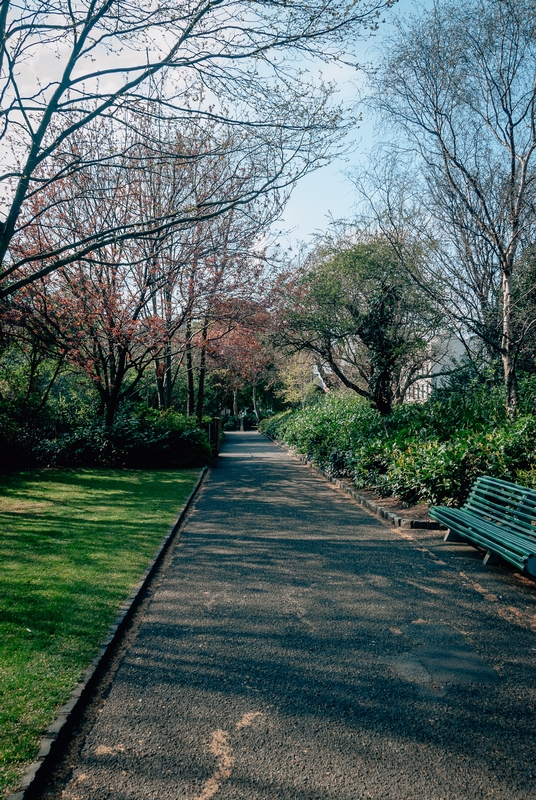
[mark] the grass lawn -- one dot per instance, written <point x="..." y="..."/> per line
<point x="72" y="545"/>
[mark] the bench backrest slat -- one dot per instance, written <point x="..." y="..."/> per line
<point x="519" y="511"/>
<point x="506" y="504"/>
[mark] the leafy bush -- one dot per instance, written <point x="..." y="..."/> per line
<point x="146" y="439"/>
<point x="141" y="438"/>
<point x="22" y="427"/>
<point x="275" y="426"/>
<point x="441" y="473"/>
<point x="428" y="453"/>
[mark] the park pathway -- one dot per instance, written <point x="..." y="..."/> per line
<point x="295" y="648"/>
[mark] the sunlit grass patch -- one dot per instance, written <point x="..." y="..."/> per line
<point x="72" y="545"/>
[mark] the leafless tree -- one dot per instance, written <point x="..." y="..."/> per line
<point x="460" y="83"/>
<point x="139" y="302"/>
<point x="452" y="269"/>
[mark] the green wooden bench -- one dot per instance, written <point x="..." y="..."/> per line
<point x="498" y="516"/>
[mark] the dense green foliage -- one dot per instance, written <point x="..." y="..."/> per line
<point x="427" y="453"/>
<point x="356" y="309"/>
<point x="51" y="418"/>
<point x="72" y="545"/>
<point x="140" y="438"/>
<point x="145" y="439"/>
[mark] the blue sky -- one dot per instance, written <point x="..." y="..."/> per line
<point x="327" y="192"/>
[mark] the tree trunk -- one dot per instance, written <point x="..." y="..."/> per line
<point x="168" y="381"/>
<point x="507" y="354"/>
<point x="114" y="395"/>
<point x="381" y="390"/>
<point x="111" y="408"/>
<point x="201" y="385"/>
<point x="254" y="399"/>
<point x="190" y="404"/>
<point x="202" y="374"/>
<point x="160" y="384"/>
<point x="168" y="377"/>
<point x="164" y="379"/>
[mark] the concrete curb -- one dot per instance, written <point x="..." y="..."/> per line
<point x="58" y="733"/>
<point x="378" y="511"/>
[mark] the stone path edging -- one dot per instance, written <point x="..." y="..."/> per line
<point x="58" y="732"/>
<point x="378" y="511"/>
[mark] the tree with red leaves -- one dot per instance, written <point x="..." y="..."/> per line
<point x="140" y="68"/>
<point x="141" y="303"/>
<point x="242" y="355"/>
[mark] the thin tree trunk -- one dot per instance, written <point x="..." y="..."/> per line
<point x="167" y="350"/>
<point x="202" y="372"/>
<point x="168" y="377"/>
<point x="114" y="397"/>
<point x="51" y="383"/>
<point x="190" y="406"/>
<point x="254" y="399"/>
<point x="201" y="385"/>
<point x="158" y="366"/>
<point x="508" y="356"/>
<point x="160" y="378"/>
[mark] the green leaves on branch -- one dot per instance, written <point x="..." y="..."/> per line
<point x="428" y="453"/>
<point x="357" y="309"/>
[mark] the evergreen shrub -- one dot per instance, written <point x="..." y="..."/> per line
<point x="430" y="453"/>
<point x="140" y="438"/>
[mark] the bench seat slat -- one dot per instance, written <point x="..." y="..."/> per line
<point x="487" y="480"/>
<point x="486" y="542"/>
<point x="513" y="517"/>
<point x="490" y="544"/>
<point x="521" y="544"/>
<point x="519" y="514"/>
<point x="497" y="492"/>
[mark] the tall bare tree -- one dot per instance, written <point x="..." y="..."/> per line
<point x="460" y="82"/>
<point x="138" y="302"/>
<point x="451" y="268"/>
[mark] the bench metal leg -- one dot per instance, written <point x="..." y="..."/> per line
<point x="491" y="559"/>
<point x="530" y="566"/>
<point x="452" y="536"/>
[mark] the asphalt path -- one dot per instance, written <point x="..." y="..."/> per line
<point x="296" y="648"/>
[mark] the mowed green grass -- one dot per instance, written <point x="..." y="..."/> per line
<point x="73" y="543"/>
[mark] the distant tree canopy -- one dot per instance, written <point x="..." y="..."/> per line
<point x="357" y="309"/>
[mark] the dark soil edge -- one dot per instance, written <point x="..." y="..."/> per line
<point x="59" y="731"/>
<point x="369" y="505"/>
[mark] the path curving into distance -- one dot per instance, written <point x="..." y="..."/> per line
<point x="295" y="648"/>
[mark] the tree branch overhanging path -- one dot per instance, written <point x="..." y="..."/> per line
<point x="225" y="66"/>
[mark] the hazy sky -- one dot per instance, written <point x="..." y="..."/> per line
<point x="327" y="192"/>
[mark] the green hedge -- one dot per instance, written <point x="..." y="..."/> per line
<point x="141" y="438"/>
<point x="428" y="453"/>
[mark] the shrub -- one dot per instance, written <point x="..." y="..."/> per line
<point x="144" y="439"/>
<point x="428" y="453"/>
<point x="275" y="426"/>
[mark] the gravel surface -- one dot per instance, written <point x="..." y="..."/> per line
<point x="294" y="647"/>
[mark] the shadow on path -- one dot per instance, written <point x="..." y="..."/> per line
<point x="296" y="648"/>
